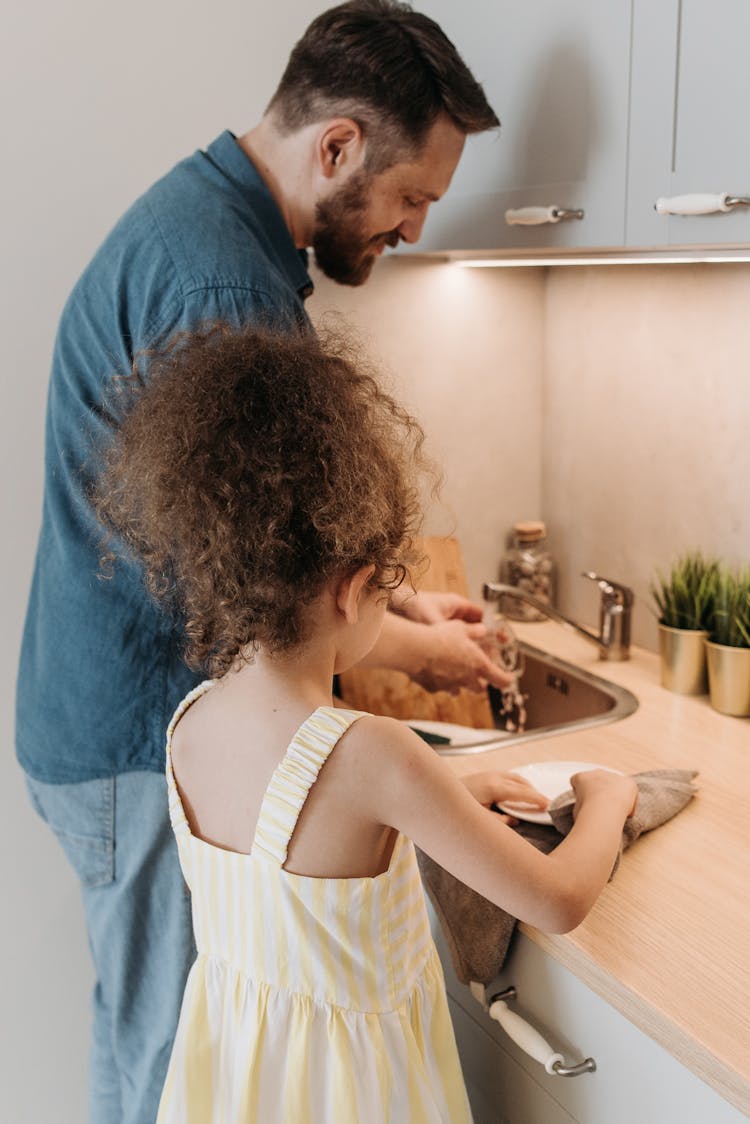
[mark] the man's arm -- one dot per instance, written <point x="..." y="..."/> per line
<point x="440" y="657"/>
<point x="431" y="607"/>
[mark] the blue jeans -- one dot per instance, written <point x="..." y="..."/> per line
<point x="117" y="835"/>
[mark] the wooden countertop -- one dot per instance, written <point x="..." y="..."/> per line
<point x="668" y="942"/>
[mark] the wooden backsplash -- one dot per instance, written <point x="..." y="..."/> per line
<point x="395" y="694"/>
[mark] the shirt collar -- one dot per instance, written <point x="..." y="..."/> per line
<point x="226" y="153"/>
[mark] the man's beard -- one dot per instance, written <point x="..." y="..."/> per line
<point x="341" y="250"/>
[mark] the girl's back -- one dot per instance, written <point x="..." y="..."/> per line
<point x="224" y="751"/>
<point x="312" y="998"/>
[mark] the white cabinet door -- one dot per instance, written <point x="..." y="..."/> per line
<point x="689" y="127"/>
<point x="501" y="1091"/>
<point x="557" y="76"/>
<point x="635" y="1079"/>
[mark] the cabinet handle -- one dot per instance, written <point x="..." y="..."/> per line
<point x="531" y="1041"/>
<point x="700" y="204"/>
<point x="536" y="216"/>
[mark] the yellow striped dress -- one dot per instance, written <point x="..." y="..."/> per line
<point x="312" y="1000"/>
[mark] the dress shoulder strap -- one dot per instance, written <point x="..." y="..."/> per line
<point x="176" y="811"/>
<point x="293" y="778"/>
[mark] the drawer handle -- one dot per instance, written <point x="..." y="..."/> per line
<point x="531" y="1041"/>
<point x="537" y="216"/>
<point x="700" y="204"/>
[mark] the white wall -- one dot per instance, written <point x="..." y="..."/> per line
<point x="542" y="394"/>
<point x="464" y="348"/>
<point x="613" y="402"/>
<point x="646" y="414"/>
<point x="97" y="100"/>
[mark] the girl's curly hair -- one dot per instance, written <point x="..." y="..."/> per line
<point x="250" y="469"/>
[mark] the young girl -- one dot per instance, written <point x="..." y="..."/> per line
<point x="268" y="484"/>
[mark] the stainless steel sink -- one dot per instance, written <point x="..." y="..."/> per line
<point x="560" y="697"/>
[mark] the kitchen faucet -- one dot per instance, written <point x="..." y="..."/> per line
<point x="616" y="603"/>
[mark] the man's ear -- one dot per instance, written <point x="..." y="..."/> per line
<point x="349" y="592"/>
<point x="340" y="147"/>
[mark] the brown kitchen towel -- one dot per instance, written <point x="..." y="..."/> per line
<point x="478" y="932"/>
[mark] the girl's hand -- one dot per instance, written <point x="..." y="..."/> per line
<point x="403" y="783"/>
<point x="599" y="784"/>
<point x="504" y="788"/>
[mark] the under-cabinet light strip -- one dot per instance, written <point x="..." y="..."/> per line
<point x="508" y="263"/>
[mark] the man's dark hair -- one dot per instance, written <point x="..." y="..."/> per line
<point x="391" y="69"/>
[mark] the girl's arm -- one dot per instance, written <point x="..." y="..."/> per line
<point x="410" y="788"/>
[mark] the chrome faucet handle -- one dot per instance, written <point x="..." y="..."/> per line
<point x="614" y="615"/>
<point x="621" y="594"/>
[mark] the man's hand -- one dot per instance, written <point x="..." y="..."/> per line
<point x="444" y="656"/>
<point x="452" y="658"/>
<point x="432" y="608"/>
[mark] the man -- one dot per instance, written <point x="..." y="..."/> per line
<point x="362" y="135"/>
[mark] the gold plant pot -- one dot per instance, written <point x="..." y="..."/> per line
<point x="683" y="660"/>
<point x="729" y="678"/>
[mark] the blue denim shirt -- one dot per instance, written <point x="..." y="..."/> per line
<point x="100" y="671"/>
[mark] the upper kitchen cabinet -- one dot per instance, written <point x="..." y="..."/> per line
<point x="688" y="130"/>
<point x="557" y="75"/>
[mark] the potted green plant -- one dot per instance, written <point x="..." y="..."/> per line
<point x="728" y="648"/>
<point x="685" y="603"/>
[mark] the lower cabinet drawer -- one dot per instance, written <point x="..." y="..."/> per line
<point x="635" y="1078"/>
<point x="500" y="1090"/>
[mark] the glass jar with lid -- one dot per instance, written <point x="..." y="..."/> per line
<point x="529" y="566"/>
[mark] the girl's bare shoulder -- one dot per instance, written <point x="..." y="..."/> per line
<point x="390" y="750"/>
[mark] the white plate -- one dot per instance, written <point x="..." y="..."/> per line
<point x="551" y="778"/>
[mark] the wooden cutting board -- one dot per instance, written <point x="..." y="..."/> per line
<point x="395" y="694"/>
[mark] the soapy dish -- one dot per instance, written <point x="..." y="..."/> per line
<point x="551" y="778"/>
